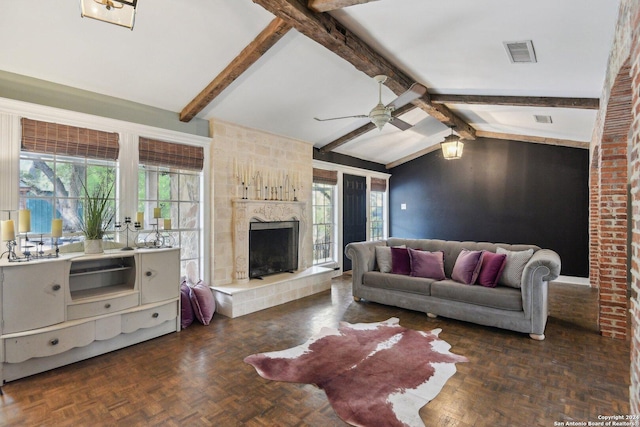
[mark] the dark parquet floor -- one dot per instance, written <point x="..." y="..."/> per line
<point x="197" y="377"/>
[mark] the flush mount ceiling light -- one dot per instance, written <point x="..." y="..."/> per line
<point x="118" y="12"/>
<point x="452" y="147"/>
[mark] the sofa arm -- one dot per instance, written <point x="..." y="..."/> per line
<point x="363" y="259"/>
<point x="543" y="267"/>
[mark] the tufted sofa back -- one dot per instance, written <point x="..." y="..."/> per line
<point x="452" y="248"/>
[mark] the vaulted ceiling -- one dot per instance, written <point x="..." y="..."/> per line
<point x="275" y="65"/>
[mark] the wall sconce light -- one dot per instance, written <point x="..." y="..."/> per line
<point x="119" y="12"/>
<point x="452" y="147"/>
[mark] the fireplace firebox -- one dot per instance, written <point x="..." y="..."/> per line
<point x="273" y="247"/>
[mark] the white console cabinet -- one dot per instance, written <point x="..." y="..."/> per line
<point x="62" y="310"/>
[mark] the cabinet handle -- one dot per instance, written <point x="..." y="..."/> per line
<point x="155" y="315"/>
<point x="107" y="305"/>
<point x="54" y="341"/>
<point x="56" y="287"/>
<point x="148" y="273"/>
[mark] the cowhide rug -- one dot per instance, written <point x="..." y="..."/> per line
<point x="374" y="374"/>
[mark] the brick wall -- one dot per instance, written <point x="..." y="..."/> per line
<point x="615" y="148"/>
<point x="634" y="182"/>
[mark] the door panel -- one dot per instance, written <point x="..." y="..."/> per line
<point x="354" y="221"/>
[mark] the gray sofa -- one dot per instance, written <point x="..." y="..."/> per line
<point x="521" y="309"/>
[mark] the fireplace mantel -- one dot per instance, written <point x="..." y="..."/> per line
<point x="245" y="211"/>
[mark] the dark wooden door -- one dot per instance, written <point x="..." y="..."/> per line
<point x="354" y="214"/>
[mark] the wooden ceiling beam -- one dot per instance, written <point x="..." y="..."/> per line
<point x="328" y="5"/>
<point x="362" y="130"/>
<point x="328" y="32"/>
<point x="518" y="101"/>
<point x="535" y="139"/>
<point x="249" y="55"/>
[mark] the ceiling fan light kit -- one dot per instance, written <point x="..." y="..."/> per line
<point x="118" y="12"/>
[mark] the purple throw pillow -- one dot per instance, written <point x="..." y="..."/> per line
<point x="400" y="262"/>
<point x="203" y="303"/>
<point x="491" y="269"/>
<point x="186" y="310"/>
<point x="427" y="264"/>
<point x="467" y="267"/>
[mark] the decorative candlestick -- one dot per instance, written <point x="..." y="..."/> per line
<point x="127" y="228"/>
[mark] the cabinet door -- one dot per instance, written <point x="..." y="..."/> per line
<point x="160" y="275"/>
<point x="32" y="295"/>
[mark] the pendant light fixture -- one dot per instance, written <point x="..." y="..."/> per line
<point x="452" y="147"/>
<point x="118" y="12"/>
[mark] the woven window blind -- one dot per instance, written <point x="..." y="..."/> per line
<point x="170" y="154"/>
<point x="378" y="184"/>
<point x="322" y="176"/>
<point x="54" y="138"/>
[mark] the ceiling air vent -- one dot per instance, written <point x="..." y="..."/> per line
<point x="542" y="119"/>
<point x="520" y="52"/>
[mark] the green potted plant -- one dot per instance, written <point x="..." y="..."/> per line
<point x="98" y="215"/>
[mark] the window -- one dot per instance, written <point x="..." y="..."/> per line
<point x="52" y="187"/>
<point x="169" y="178"/>
<point x="56" y="163"/>
<point x="177" y="193"/>
<point x="376" y="209"/>
<point x="323" y="223"/>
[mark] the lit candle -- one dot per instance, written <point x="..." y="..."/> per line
<point x="167" y="223"/>
<point x="140" y="217"/>
<point x="8" y="232"/>
<point x="156" y="213"/>
<point x="56" y="227"/>
<point x="24" y="220"/>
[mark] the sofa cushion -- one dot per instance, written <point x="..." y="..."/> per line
<point x="427" y="264"/>
<point x="416" y="285"/>
<point x="400" y="263"/>
<point x="514" y="266"/>
<point x="501" y="297"/>
<point x="491" y="269"/>
<point x="467" y="267"/>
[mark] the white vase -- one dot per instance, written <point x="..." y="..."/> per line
<point x="93" y="246"/>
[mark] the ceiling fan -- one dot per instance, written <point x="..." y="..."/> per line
<point x="380" y="115"/>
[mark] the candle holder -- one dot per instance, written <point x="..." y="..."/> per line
<point x="11" y="253"/>
<point x="40" y="254"/>
<point x="155" y="239"/>
<point x="126" y="229"/>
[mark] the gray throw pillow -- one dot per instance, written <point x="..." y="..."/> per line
<point x="514" y="266"/>
<point x="383" y="258"/>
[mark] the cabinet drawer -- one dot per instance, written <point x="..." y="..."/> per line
<point x="100" y="307"/>
<point x="48" y="343"/>
<point x="149" y="317"/>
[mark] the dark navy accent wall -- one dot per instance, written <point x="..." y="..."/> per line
<point x="499" y="191"/>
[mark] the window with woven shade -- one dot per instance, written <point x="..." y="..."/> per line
<point x="169" y="178"/>
<point x="56" y="160"/>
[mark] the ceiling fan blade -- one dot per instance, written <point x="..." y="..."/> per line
<point x="359" y="116"/>
<point x="400" y="124"/>
<point x="415" y="91"/>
